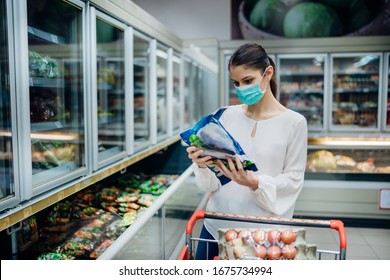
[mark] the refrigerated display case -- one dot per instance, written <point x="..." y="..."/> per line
<point x="55" y="139"/>
<point x="302" y="86"/>
<point x="72" y="91"/>
<point x="344" y="176"/>
<point x="349" y="158"/>
<point x="108" y="83"/>
<point x="356" y="90"/>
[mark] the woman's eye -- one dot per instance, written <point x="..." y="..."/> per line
<point x="247" y="82"/>
<point x="236" y="84"/>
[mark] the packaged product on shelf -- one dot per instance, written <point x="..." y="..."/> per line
<point x="321" y="161"/>
<point x="210" y="136"/>
<point x="101" y="248"/>
<point x="55" y="256"/>
<point x="128" y="219"/>
<point x="28" y="233"/>
<point x="146" y="200"/>
<point x="43" y="66"/>
<point x="127" y="197"/>
<point x="282" y="243"/>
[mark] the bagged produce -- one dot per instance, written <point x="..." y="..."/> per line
<point x="209" y="135"/>
<point x="265" y="243"/>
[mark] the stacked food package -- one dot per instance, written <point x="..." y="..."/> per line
<point x="86" y="224"/>
<point x="265" y="244"/>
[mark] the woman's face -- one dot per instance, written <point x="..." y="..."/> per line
<point x="242" y="75"/>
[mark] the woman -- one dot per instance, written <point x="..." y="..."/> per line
<point x="270" y="134"/>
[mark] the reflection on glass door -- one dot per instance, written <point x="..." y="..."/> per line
<point x="301" y="83"/>
<point x="176" y="93"/>
<point x="55" y="49"/>
<point x="355" y="91"/>
<point x="6" y="155"/>
<point x="110" y="56"/>
<point x="141" y="90"/>
<point x="162" y="105"/>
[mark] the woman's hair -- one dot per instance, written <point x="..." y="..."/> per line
<point x="254" y="56"/>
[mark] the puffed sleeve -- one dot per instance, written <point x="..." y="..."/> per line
<point x="205" y="179"/>
<point x="278" y="194"/>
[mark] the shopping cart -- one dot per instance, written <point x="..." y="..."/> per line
<point x="187" y="252"/>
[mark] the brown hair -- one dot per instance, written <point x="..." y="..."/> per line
<point x="255" y="56"/>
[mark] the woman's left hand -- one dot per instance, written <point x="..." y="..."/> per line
<point x="238" y="174"/>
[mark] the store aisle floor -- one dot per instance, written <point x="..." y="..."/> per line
<point x="362" y="243"/>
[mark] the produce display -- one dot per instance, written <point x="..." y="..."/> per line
<point x="309" y="18"/>
<point x="265" y="244"/>
<point x="209" y="135"/>
<point x="86" y="224"/>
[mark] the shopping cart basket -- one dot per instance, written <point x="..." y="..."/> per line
<point x="187" y="252"/>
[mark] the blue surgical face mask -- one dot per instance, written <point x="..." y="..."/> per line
<point x="250" y="94"/>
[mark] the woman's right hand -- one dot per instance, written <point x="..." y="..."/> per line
<point x="195" y="156"/>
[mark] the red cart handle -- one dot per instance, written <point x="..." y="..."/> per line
<point x="339" y="226"/>
<point x="198" y="214"/>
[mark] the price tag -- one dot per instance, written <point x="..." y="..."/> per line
<point x="384" y="199"/>
<point x="27" y="212"/>
<point x="54" y="38"/>
<point x="61" y="195"/>
<point x="30" y="30"/>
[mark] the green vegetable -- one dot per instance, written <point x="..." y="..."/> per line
<point x="310" y="19"/>
<point x="268" y="15"/>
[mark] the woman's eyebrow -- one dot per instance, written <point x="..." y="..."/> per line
<point x="245" y="78"/>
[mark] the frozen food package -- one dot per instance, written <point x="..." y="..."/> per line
<point x="210" y="135"/>
<point x="284" y="243"/>
<point x="28" y="234"/>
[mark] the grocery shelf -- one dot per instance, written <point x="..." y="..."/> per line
<point x="26" y="209"/>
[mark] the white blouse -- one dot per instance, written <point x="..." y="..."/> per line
<point x="279" y="150"/>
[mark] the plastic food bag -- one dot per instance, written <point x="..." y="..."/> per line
<point x="210" y="135"/>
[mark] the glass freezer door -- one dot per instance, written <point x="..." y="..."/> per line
<point x="355" y="95"/>
<point x="7" y="179"/>
<point x="387" y="92"/>
<point x="176" y="93"/>
<point x="110" y="89"/>
<point x="301" y="86"/>
<point x="187" y="94"/>
<point x="56" y="92"/>
<point x="162" y="80"/>
<point x="141" y="91"/>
